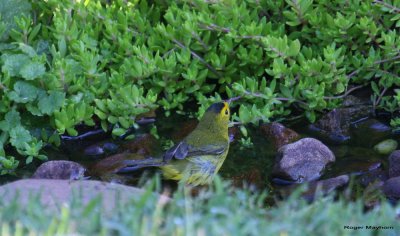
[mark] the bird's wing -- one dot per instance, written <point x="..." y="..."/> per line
<point x="183" y="150"/>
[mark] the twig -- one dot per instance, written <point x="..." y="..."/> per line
<point x="389" y="73"/>
<point x="198" y="57"/>
<point x="345" y="94"/>
<point x="375" y="63"/>
<point x="380" y="97"/>
<point x="214" y="27"/>
<point x="353" y="73"/>
<point x="233" y="123"/>
<point x="393" y="8"/>
<point x="260" y="95"/>
<point x="168" y="52"/>
<point x="233" y="99"/>
<point x="291" y="99"/>
<point x="203" y="44"/>
<point x="250" y="37"/>
<point x="386" y="60"/>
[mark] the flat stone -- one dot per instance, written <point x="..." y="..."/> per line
<point x="55" y="193"/>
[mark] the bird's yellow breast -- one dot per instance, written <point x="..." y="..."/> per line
<point x="194" y="170"/>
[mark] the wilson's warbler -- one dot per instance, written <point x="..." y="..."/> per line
<point x="198" y="157"/>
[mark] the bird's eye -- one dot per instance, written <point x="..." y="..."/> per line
<point x="226" y="112"/>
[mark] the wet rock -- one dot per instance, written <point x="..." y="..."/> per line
<point x="55" y="193"/>
<point x="315" y="188"/>
<point x="59" y="170"/>
<point x="335" y="125"/>
<point x="302" y="161"/>
<point x="377" y="175"/>
<point x="110" y="147"/>
<point x="278" y="134"/>
<point x="394" y="164"/>
<point x="386" y="147"/>
<point x="391" y="188"/>
<point x="369" y="132"/>
<point x="145" y="144"/>
<point x="99" y="149"/>
<point x="94" y="150"/>
<point x="325" y="186"/>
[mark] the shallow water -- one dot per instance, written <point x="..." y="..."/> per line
<point x="243" y="164"/>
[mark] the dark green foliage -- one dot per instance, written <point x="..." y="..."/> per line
<point x="72" y="61"/>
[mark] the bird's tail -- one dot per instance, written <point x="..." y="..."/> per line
<point x="133" y="165"/>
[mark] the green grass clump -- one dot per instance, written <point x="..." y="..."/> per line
<point x="220" y="210"/>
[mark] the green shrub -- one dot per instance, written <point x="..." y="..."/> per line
<point x="68" y="62"/>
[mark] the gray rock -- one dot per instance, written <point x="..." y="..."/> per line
<point x="377" y="175"/>
<point x="325" y="186"/>
<point x="314" y="188"/>
<point x="391" y="188"/>
<point x="55" y="193"/>
<point x="100" y="148"/>
<point x="394" y="164"/>
<point x="94" y="150"/>
<point x="59" y="170"/>
<point x="302" y="161"/>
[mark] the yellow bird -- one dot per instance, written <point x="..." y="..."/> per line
<point x="198" y="157"/>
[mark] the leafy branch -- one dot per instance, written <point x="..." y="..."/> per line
<point x="387" y="5"/>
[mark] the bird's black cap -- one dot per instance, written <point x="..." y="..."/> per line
<point x="216" y="107"/>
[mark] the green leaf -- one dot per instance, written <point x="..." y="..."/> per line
<point x="55" y="139"/>
<point x="11" y="119"/>
<point x="375" y="88"/>
<point x="30" y="51"/>
<point x="29" y="159"/>
<point x="13" y="63"/>
<point x="294" y="48"/>
<point x="19" y="136"/>
<point x="118" y="131"/>
<point x="32" y="70"/>
<point x="72" y="131"/>
<point x="23" y="92"/>
<point x="52" y="102"/>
